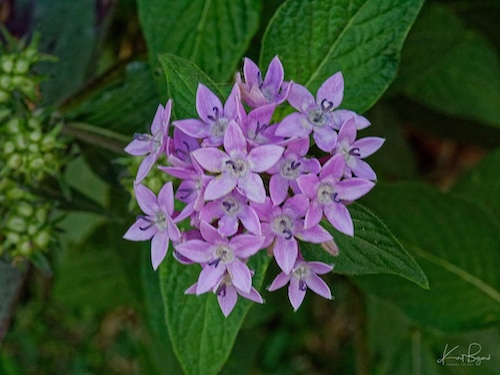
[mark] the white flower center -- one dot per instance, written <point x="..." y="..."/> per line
<point x="283" y="226"/>
<point x="290" y="169"/>
<point x="326" y="194"/>
<point x="237" y="168"/>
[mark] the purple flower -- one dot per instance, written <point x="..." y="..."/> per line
<point x="328" y="195"/>
<point x="256" y="91"/>
<point x="304" y="275"/>
<point x="257" y="127"/>
<point x="315" y="114"/>
<point x="157" y="223"/>
<point x="288" y="168"/>
<point x="229" y="209"/>
<point x="282" y="225"/>
<point x="179" y="149"/>
<point x="236" y="166"/>
<point x="214" y="117"/>
<point x="227" y="294"/>
<point x="354" y="150"/>
<point x="220" y="255"/>
<point x="153" y="144"/>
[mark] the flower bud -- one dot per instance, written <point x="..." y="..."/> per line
<point x="25" y="209"/>
<point x="37" y="163"/>
<point x="16" y="224"/>
<point x="15" y="161"/>
<point x="14" y="125"/>
<point x="7" y="64"/>
<point x="35" y="136"/>
<point x="4" y="96"/>
<point x="42" y="239"/>
<point x="25" y="248"/>
<point x="22" y="66"/>
<point x="6" y="82"/>
<point x="9" y="147"/>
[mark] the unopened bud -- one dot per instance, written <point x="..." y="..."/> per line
<point x="22" y="66"/>
<point x="9" y="147"/>
<point x="16" y="224"/>
<point x="15" y="161"/>
<point x="6" y="82"/>
<point x="7" y="64"/>
<point x="42" y="239"/>
<point x="331" y="248"/>
<point x="14" y="125"/>
<point x="25" y="209"/>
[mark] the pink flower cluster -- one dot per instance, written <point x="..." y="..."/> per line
<point x="248" y="183"/>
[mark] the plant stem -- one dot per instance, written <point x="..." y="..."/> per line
<point x="91" y="134"/>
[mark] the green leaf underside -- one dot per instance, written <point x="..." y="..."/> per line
<point x="201" y="336"/>
<point x="451" y="69"/>
<point x="183" y="78"/>
<point x="316" y="38"/>
<point x="372" y="250"/>
<point x="482" y="183"/>
<point x="456" y="244"/>
<point x="214" y="33"/>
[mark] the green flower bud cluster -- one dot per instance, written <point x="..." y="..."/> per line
<point x="26" y="225"/>
<point x="31" y="149"/>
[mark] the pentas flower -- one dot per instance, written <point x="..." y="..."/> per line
<point x="328" y="195"/>
<point x="214" y="118"/>
<point x="315" y="113"/>
<point x="157" y="223"/>
<point x="303" y="275"/>
<point x="257" y="127"/>
<point x="355" y="150"/>
<point x="230" y="210"/>
<point x="256" y="91"/>
<point x="179" y="149"/>
<point x="220" y="254"/>
<point x="282" y="225"/>
<point x="288" y="168"/>
<point x="236" y="167"/>
<point x="153" y="144"/>
<point x="227" y="294"/>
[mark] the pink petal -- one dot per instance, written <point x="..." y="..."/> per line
<point x="347" y="133"/>
<point x="166" y="198"/>
<point x="251" y="72"/>
<point x="219" y="186"/>
<point x="253" y="187"/>
<point x="159" y="246"/>
<point x="172" y="230"/>
<point x="227" y="225"/>
<point x="210" y="234"/>
<point x="275" y="74"/>
<point x="353" y="188"/>
<point x="135" y="233"/>
<point x="227" y="299"/>
<point x="233" y="103"/>
<point x="339" y="116"/>
<point x="278" y="188"/>
<point x="368" y="145"/>
<point x="240" y="275"/>
<point x="138" y="147"/>
<point x="318" y="286"/>
<point x="301" y="98"/>
<point x="262" y="158"/>
<point x="250" y="219"/>
<point x="246" y="245"/>
<point x="146" y="165"/>
<point x="234" y="139"/>
<point x="196" y="250"/>
<point x="280" y="281"/>
<point x="295" y="295"/>
<point x="146" y="199"/>
<point x="338" y="215"/>
<point x="285" y="253"/>
<point x="206" y="101"/>
<point x="156" y="125"/>
<point x="317" y="234"/>
<point x="333" y="167"/>
<point x="193" y="128"/>
<point x="326" y="138"/>
<point x="319" y="267"/>
<point x="308" y="184"/>
<point x="252" y="296"/>
<point x="314" y="215"/>
<point x="332" y="90"/>
<point x="295" y="125"/>
<point x="210" y="158"/>
<point x="209" y="277"/>
<point x="362" y="169"/>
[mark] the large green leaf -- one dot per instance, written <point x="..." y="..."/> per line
<point x="455" y="242"/>
<point x="482" y="183"/>
<point x="213" y="34"/>
<point x="183" y="78"/>
<point x="201" y="336"/>
<point x="450" y="68"/>
<point x="67" y="29"/>
<point x="362" y="38"/>
<point x="372" y="250"/>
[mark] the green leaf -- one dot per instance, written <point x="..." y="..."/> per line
<point x="316" y="38"/>
<point x="213" y="34"/>
<point x="183" y="78"/>
<point x="438" y="71"/>
<point x="455" y="242"/>
<point x="11" y="279"/>
<point x="482" y="183"/>
<point x="201" y="336"/>
<point x="372" y="250"/>
<point x="67" y="32"/>
<point x="125" y="105"/>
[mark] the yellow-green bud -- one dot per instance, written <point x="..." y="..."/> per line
<point x="4" y="96"/>
<point x="14" y="125"/>
<point x="34" y="123"/>
<point x="33" y="147"/>
<point x="25" y="248"/>
<point x="37" y="163"/>
<point x="9" y="147"/>
<point x="21" y="143"/>
<point x="32" y="229"/>
<point x="15" y="193"/>
<point x="16" y="224"/>
<point x="7" y="64"/>
<point x="41" y="215"/>
<point x="13" y="237"/>
<point x="5" y="82"/>
<point x="36" y="135"/>
<point x="25" y="209"/>
<point x="15" y="161"/>
<point x="22" y="66"/>
<point x="42" y="239"/>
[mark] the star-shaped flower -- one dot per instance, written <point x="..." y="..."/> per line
<point x="157" y="223"/>
<point x="153" y="144"/>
